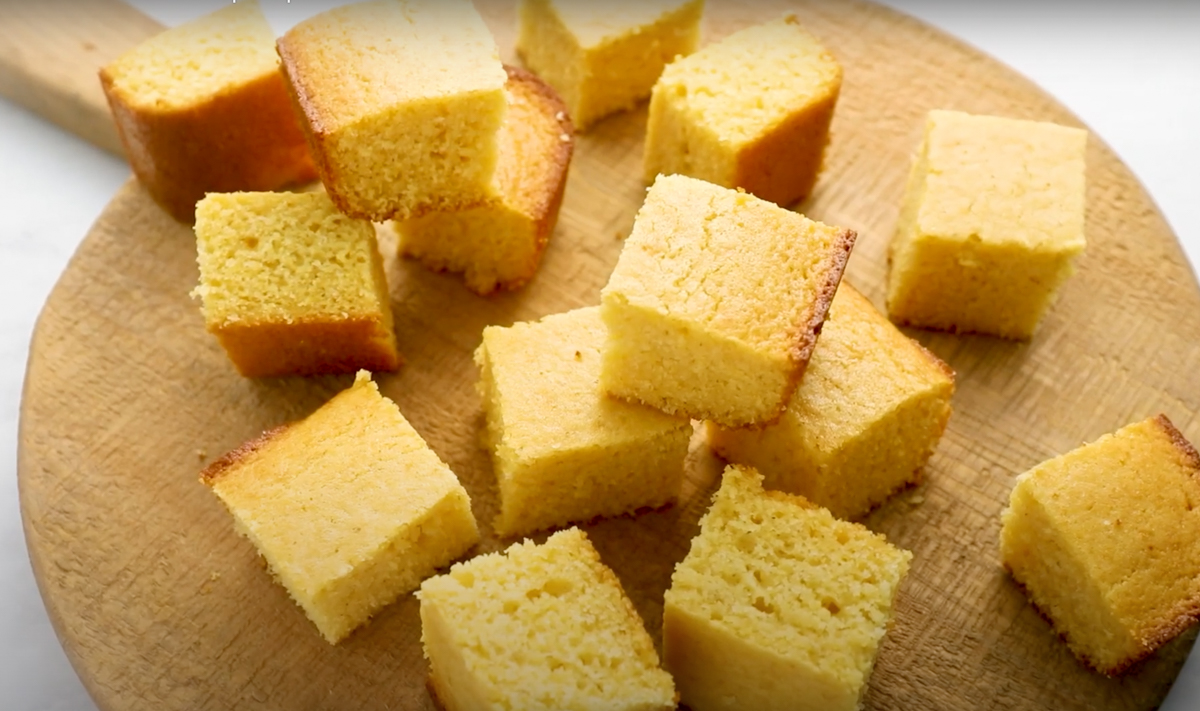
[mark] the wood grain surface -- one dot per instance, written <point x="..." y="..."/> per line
<point x="161" y="606"/>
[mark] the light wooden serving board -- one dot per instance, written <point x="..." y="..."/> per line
<point x="160" y="605"/>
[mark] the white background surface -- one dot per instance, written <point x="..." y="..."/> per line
<point x="1130" y="71"/>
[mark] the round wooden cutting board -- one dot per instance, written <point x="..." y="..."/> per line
<point x="161" y="606"/>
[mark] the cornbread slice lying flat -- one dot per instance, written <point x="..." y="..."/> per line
<point x="716" y="301"/>
<point x="562" y="451"/>
<point x="499" y="244"/>
<point x="604" y="57"/>
<point x="203" y="107"/>
<point x="991" y="222"/>
<point x="1106" y="541"/>
<point x="349" y="507"/>
<point x="402" y="101"/>
<point x="539" y="628"/>
<point x="291" y="286"/>
<point x="868" y="414"/>
<point x="751" y="111"/>
<point x="778" y="605"/>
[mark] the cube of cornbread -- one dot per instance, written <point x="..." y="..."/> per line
<point x="402" y="101"/>
<point x="349" y="507"/>
<point x="868" y="414"/>
<point x="605" y="57"/>
<point x="203" y="107"/>
<point x="716" y="302"/>
<point x="991" y="221"/>
<point x="539" y="628"/>
<point x="562" y="451"/>
<point x="291" y="286"/>
<point x="751" y="111"/>
<point x="1106" y="542"/>
<point x="778" y="605"/>
<point x="499" y="244"/>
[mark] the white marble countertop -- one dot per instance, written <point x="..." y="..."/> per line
<point x="1130" y="71"/>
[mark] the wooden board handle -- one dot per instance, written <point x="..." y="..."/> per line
<point x="50" y="53"/>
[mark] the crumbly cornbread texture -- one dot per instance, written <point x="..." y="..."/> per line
<point x="499" y="244"/>
<point x="203" y="107"/>
<point x="861" y="425"/>
<point x="605" y="57"/>
<point x="1106" y="542"/>
<point x="349" y="507"/>
<point x="716" y="301"/>
<point x="562" y="451"/>
<point x="751" y="111"/>
<point x="992" y="218"/>
<point x="778" y="605"/>
<point x="539" y="628"/>
<point x="289" y="285"/>
<point x="403" y="102"/>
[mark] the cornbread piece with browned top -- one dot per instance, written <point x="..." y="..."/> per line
<point x="349" y="507"/>
<point x="778" y="605"/>
<point x="991" y="223"/>
<point x="562" y="451"/>
<point x="751" y="111"/>
<point x="289" y="285"/>
<point x="868" y="414"/>
<point x="402" y="103"/>
<point x="539" y="628"/>
<point x="1105" y="540"/>
<point x="716" y="301"/>
<point x="203" y="107"/>
<point x="498" y="245"/>
<point x="604" y="57"/>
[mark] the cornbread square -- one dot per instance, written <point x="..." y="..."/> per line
<point x="1106" y="542"/>
<point x="203" y="107"/>
<point x="562" y="451"/>
<point x="349" y="507"/>
<point x="991" y="221"/>
<point x="402" y="103"/>
<point x="716" y="302"/>
<point x="605" y="57"/>
<point x="539" y="628"/>
<point x="751" y="111"/>
<point x="289" y="285"/>
<point x="861" y="425"/>
<point x="778" y="605"/>
<point x="499" y="244"/>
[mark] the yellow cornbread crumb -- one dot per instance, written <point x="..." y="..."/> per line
<point x="539" y="628"/>
<point x="562" y="451"/>
<point x="604" y="57"/>
<point x="868" y="413"/>
<point x="750" y="111"/>
<point x="991" y="221"/>
<point x="1106" y="541"/>
<point x="349" y="507"/>
<point x="777" y="605"/>
<point x="716" y="301"/>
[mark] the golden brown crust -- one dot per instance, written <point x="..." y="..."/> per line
<point x="313" y="126"/>
<point x="234" y="457"/>
<point x="309" y="347"/>
<point x="1186" y="450"/>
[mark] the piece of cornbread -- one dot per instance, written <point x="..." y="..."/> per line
<point x="605" y="57"/>
<point x="991" y="221"/>
<point x="539" y="628"/>
<point x="869" y="412"/>
<point x="778" y="605"/>
<point x="562" y="451"/>
<point x="203" y="107"/>
<point x="499" y="244"/>
<point x="1106" y="542"/>
<point x="751" y="111"/>
<point x="403" y="102"/>
<point x="716" y="302"/>
<point x="290" y="285"/>
<point x="349" y="507"/>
